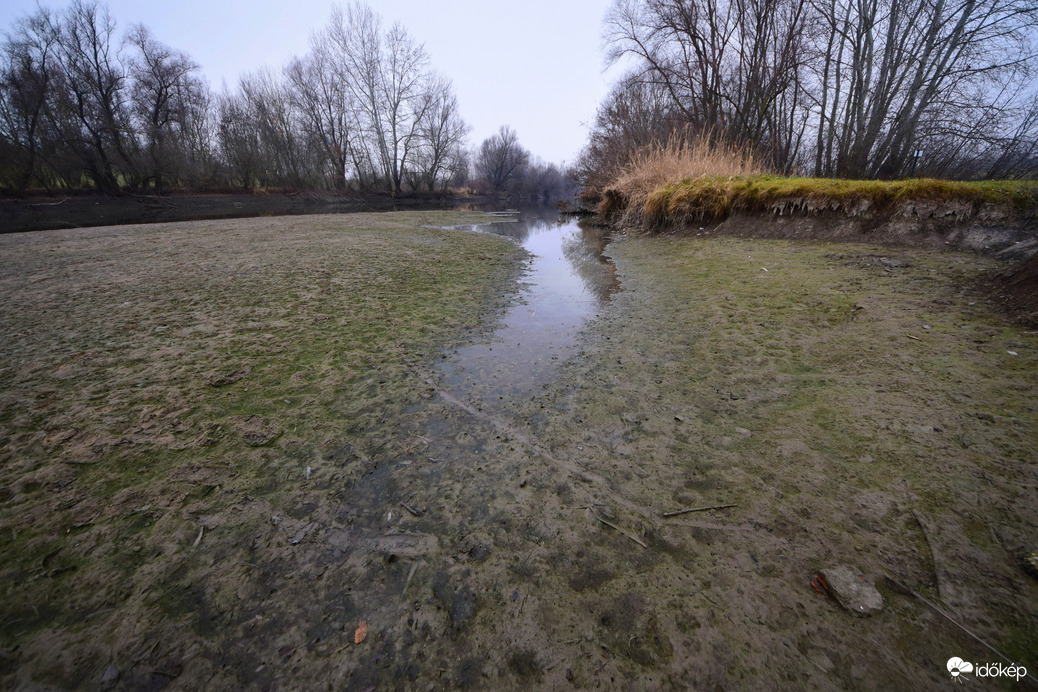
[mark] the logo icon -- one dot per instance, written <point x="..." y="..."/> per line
<point x="956" y="666"/>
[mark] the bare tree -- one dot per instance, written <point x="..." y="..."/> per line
<point x="900" y="75"/>
<point x="77" y="111"/>
<point x="545" y="182"/>
<point x="387" y="74"/>
<point x="852" y="88"/>
<point x="199" y="141"/>
<point x="239" y="142"/>
<point x="441" y="136"/>
<point x="635" y="115"/>
<point x="96" y="96"/>
<point x="361" y="108"/>
<point x="323" y="104"/>
<point x="30" y="76"/>
<point x="165" y="96"/>
<point x="501" y="159"/>
<point x="283" y="148"/>
<point x="728" y="66"/>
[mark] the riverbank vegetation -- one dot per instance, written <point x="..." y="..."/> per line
<point x="86" y="106"/>
<point x="696" y="180"/>
<point x="710" y="199"/>
<point x="940" y="90"/>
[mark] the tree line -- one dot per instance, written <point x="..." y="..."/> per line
<point x="831" y="88"/>
<point x="83" y="107"/>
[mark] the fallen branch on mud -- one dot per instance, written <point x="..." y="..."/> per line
<point x="933" y="553"/>
<point x="575" y="470"/>
<point x="695" y="509"/>
<point x="619" y="530"/>
<point x="902" y="588"/>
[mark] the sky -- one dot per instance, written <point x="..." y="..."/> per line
<point x="535" y="65"/>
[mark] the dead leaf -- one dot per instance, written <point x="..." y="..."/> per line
<point x="362" y="631"/>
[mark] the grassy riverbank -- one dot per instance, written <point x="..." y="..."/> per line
<point x="689" y="181"/>
<point x="711" y="198"/>
<point x="714" y="198"/>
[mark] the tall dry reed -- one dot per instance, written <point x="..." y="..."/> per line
<point x="682" y="156"/>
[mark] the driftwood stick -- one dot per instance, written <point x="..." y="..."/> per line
<point x="410" y="575"/>
<point x="695" y="509"/>
<point x="933" y="554"/>
<point x="49" y="204"/>
<point x="621" y="531"/>
<point x="898" y="586"/>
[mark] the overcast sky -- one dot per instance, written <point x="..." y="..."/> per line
<point x="533" y="64"/>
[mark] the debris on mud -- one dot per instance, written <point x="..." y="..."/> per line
<point x="409" y="546"/>
<point x="851" y="591"/>
<point x="229" y="378"/>
<point x="1031" y="563"/>
<point x="361" y="633"/>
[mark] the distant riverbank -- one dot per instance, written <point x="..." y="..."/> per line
<point x="80" y="211"/>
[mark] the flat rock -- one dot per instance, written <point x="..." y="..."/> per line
<point x="851" y="591"/>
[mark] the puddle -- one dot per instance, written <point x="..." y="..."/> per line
<point x="568" y="279"/>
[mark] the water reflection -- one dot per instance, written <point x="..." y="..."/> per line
<point x="568" y="279"/>
<point x="590" y="263"/>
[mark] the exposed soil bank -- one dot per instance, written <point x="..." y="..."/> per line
<point x="990" y="229"/>
<point x="938" y="226"/>
<point x="985" y="216"/>
<point x="80" y="211"/>
<point x="934" y="226"/>
<point x="1007" y="233"/>
<point x="1016" y="289"/>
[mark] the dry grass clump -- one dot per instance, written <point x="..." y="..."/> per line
<point x="682" y="157"/>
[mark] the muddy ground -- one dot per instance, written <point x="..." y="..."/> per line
<point x="1016" y="290"/>
<point x="228" y="461"/>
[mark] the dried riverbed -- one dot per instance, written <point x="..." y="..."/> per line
<point x="228" y="444"/>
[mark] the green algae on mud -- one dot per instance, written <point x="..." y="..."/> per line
<point x="860" y="405"/>
<point x="156" y="378"/>
<point x="479" y="547"/>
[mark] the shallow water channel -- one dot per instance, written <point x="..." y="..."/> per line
<point x="568" y="278"/>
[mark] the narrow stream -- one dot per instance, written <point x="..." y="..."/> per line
<point x="569" y="277"/>
<point x="566" y="281"/>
